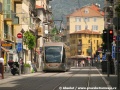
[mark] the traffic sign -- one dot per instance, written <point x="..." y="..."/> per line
<point x="104" y="57"/>
<point x="19" y="40"/>
<point x="98" y="57"/>
<point x="113" y="51"/>
<point x="19" y="35"/>
<point x="19" y="47"/>
<point x="118" y="37"/>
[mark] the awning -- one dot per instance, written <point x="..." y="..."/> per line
<point x="4" y="49"/>
<point x="78" y="57"/>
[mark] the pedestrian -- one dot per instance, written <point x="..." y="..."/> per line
<point x="83" y="62"/>
<point x="22" y="65"/>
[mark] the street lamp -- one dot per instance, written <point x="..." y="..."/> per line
<point x="0" y="45"/>
<point x="22" y="31"/>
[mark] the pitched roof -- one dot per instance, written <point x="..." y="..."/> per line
<point x="93" y="11"/>
<point x="85" y="32"/>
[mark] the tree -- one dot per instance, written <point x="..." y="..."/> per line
<point x="54" y="33"/>
<point x="29" y="40"/>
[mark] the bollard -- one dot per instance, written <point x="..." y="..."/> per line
<point x="2" y="70"/>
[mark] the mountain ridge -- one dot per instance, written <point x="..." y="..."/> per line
<point x="61" y="8"/>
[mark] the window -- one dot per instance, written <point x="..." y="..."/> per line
<point x="88" y="41"/>
<point x="7" y="9"/>
<point x="77" y="19"/>
<point x="94" y="41"/>
<point x="94" y="27"/>
<point x="77" y="27"/>
<point x="7" y="5"/>
<point x="53" y="54"/>
<point x="86" y="19"/>
<point x="94" y="19"/>
<point x="86" y="11"/>
<point x="86" y="27"/>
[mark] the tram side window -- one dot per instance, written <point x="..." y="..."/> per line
<point x="64" y="56"/>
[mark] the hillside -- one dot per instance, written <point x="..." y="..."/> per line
<point x="61" y="8"/>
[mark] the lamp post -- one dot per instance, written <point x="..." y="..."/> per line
<point x="0" y="45"/>
<point x="22" y="31"/>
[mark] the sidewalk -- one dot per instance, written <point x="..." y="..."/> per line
<point x="9" y="77"/>
<point x="112" y="79"/>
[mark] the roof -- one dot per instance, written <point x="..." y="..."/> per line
<point x="53" y="44"/>
<point x="85" y="32"/>
<point x="38" y="7"/>
<point x="93" y="11"/>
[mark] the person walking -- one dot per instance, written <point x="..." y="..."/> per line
<point x="83" y="62"/>
<point x="22" y="65"/>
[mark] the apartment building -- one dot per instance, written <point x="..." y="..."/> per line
<point x="18" y="16"/>
<point x="85" y="26"/>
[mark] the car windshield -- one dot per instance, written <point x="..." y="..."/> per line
<point x="53" y="54"/>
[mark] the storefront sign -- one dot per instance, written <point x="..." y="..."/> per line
<point x="6" y="44"/>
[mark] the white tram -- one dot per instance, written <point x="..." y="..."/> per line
<point x="55" y="57"/>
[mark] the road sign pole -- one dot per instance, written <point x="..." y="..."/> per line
<point x="117" y="51"/>
<point x="108" y="64"/>
<point x="19" y="49"/>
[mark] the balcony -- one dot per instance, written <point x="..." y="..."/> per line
<point x="8" y="15"/>
<point x="18" y="1"/>
<point x="44" y="20"/>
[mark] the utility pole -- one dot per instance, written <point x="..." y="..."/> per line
<point x="91" y="53"/>
<point x="0" y="45"/>
<point x="108" y="64"/>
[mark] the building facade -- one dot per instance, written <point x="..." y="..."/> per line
<point x="85" y="27"/>
<point x="18" y="16"/>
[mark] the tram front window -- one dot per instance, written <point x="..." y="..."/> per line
<point x="53" y="54"/>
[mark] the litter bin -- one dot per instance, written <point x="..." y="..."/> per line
<point x="104" y="66"/>
<point x="111" y="67"/>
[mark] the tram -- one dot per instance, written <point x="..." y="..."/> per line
<point x="55" y="57"/>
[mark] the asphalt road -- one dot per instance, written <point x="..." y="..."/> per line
<point x="78" y="78"/>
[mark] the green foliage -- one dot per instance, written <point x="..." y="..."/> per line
<point x="26" y="65"/>
<point x="54" y="31"/>
<point x="54" y="34"/>
<point x="29" y="39"/>
<point x="117" y="9"/>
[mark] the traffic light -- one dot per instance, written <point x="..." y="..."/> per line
<point x="110" y="36"/>
<point x="104" y="36"/>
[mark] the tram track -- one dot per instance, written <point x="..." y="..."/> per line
<point x="99" y="74"/>
<point x="45" y="82"/>
<point x="58" y="86"/>
<point x="32" y="80"/>
<point x="88" y="82"/>
<point x="89" y="77"/>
